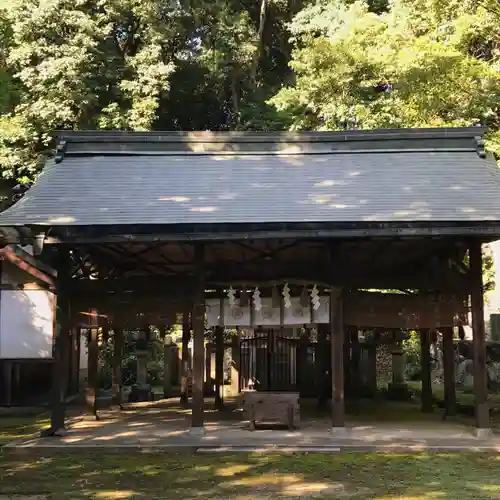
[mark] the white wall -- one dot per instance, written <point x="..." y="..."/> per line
<point x="26" y="318"/>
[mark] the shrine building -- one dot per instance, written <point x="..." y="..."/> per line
<point x="298" y="241"/>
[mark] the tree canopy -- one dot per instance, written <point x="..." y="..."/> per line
<point x="242" y="65"/>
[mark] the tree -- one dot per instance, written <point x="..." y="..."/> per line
<point x="83" y="64"/>
<point x="110" y="64"/>
<point x="358" y="69"/>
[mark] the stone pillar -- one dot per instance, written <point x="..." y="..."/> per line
<point x="142" y="390"/>
<point x="425" y="370"/>
<point x="198" y="322"/>
<point x="398" y="388"/>
<point x="168" y="360"/>
<point x="479" y="342"/>
<point x="337" y="361"/>
<point x="185" y="361"/>
<point x="219" y="367"/>
<point x="368" y="369"/>
<point x="117" y="365"/>
<point x="450" y="396"/>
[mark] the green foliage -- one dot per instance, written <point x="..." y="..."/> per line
<point x="401" y="68"/>
<point x="253" y="65"/>
<point x="411" y="349"/>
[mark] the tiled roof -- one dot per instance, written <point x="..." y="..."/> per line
<point x="102" y="178"/>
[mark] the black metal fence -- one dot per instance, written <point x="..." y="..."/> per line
<point x="290" y="360"/>
<point x="273" y="361"/>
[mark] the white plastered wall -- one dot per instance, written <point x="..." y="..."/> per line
<point x="26" y="318"/>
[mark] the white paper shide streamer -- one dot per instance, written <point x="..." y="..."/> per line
<point x="231" y="295"/>
<point x="257" y="301"/>
<point x="286" y="296"/>
<point x="315" y="300"/>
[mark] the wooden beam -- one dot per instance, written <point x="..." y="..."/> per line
<point x="22" y="262"/>
<point x="198" y="338"/>
<point x="91" y="235"/>
<point x="450" y="281"/>
<point x="478" y="339"/>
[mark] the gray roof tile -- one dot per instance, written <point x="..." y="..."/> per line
<point x="372" y="185"/>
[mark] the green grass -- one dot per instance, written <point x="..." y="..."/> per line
<point x="87" y="475"/>
<point x="464" y="398"/>
<point x="21" y="427"/>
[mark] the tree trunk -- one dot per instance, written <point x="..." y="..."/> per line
<point x="260" y="42"/>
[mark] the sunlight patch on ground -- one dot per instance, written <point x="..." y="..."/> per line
<point x="115" y="494"/>
<point x="26" y="466"/>
<point x="232" y="470"/>
<point x="267" y="480"/>
<point x="423" y="496"/>
<point x="307" y="488"/>
<point x="489" y="488"/>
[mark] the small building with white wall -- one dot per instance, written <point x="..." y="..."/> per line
<point x="27" y="327"/>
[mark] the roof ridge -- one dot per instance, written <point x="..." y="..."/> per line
<point x="268" y="137"/>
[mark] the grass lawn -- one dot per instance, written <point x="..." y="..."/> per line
<point x="21" y="427"/>
<point x="244" y="476"/>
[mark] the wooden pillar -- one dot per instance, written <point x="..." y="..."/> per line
<point x="7" y="372"/>
<point x="219" y="360"/>
<point x="198" y="322"/>
<point x="61" y="348"/>
<point x="479" y="341"/>
<point x="355" y="359"/>
<point x="450" y="397"/>
<point x="168" y="359"/>
<point x="337" y="348"/>
<point x="208" y="368"/>
<point x="78" y="344"/>
<point x="93" y="366"/>
<point x="321" y="365"/>
<point x="117" y="364"/>
<point x="186" y="334"/>
<point x="74" y="362"/>
<point x="235" y="363"/>
<point x="425" y="370"/>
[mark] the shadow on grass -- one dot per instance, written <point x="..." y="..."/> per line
<point x="21" y="426"/>
<point x="256" y="476"/>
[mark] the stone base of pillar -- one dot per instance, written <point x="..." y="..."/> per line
<point x="53" y="432"/>
<point x="140" y="393"/>
<point x="398" y="391"/>
<point x="339" y="431"/>
<point x="483" y="433"/>
<point x="197" y="431"/>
